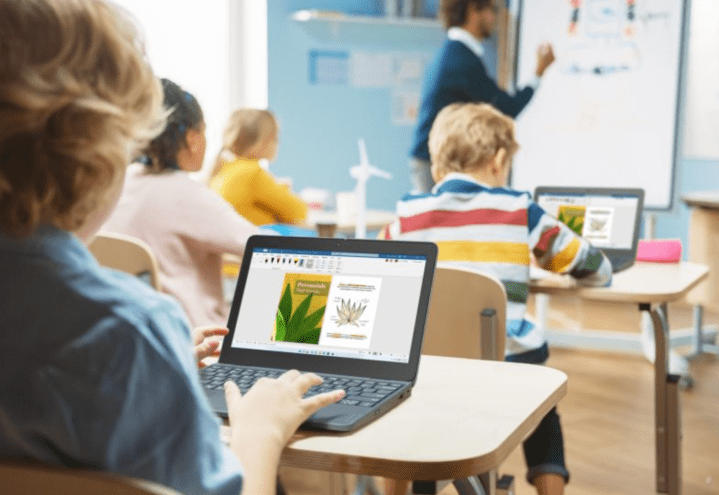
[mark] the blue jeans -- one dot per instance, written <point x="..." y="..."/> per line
<point x="544" y="449"/>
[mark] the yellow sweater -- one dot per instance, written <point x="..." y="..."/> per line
<point x="256" y="195"/>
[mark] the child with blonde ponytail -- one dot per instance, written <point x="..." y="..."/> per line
<point x="250" y="136"/>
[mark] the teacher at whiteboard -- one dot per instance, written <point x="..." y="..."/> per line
<point x="459" y="75"/>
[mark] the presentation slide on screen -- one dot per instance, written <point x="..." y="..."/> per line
<point x="330" y="305"/>
<point x="605" y="114"/>
<point x="606" y="222"/>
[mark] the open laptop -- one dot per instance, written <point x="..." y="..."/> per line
<point x="609" y="218"/>
<point x="352" y="311"/>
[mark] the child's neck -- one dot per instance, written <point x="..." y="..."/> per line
<point x="485" y="176"/>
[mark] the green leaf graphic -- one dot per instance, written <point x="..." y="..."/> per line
<point x="286" y="304"/>
<point x="311" y="337"/>
<point x="312" y="321"/>
<point x="297" y="318"/>
<point x="280" y="328"/>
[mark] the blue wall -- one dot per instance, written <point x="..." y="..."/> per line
<point x="321" y="123"/>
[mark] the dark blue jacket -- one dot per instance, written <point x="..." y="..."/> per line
<point x="459" y="76"/>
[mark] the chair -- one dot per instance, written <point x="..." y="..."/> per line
<point x="466" y="319"/>
<point x="467" y="314"/>
<point x="42" y="479"/>
<point x="126" y="254"/>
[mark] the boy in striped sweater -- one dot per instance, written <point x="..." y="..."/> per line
<point x="477" y="221"/>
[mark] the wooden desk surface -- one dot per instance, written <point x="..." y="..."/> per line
<point x="464" y="417"/>
<point x="642" y="283"/>
<point x="704" y="199"/>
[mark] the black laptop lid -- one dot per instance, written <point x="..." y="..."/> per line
<point x="609" y="218"/>
<point x="345" y="306"/>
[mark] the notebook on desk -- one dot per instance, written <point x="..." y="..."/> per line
<point x="352" y="311"/>
<point x="609" y="218"/>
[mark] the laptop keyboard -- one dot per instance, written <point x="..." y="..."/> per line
<point x="362" y="392"/>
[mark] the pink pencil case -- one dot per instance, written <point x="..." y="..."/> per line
<point x="660" y="250"/>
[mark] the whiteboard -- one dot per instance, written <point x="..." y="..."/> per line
<point x="701" y="136"/>
<point x="605" y="114"/>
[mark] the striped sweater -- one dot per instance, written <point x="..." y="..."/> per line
<point x="495" y="230"/>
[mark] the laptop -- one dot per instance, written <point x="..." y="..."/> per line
<point x="353" y="311"/>
<point x="609" y="218"/>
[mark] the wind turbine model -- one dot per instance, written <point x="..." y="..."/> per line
<point x="361" y="173"/>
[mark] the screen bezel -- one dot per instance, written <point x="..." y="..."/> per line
<point x="602" y="191"/>
<point x="327" y="364"/>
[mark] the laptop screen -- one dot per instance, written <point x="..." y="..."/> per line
<point x="608" y="220"/>
<point x="330" y="303"/>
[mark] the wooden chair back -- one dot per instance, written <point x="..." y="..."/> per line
<point x="42" y="479"/>
<point x="455" y="325"/>
<point x="126" y="254"/>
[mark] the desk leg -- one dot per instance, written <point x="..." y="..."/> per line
<point x="365" y="484"/>
<point x="482" y="485"/>
<point x="477" y="486"/>
<point x="666" y="407"/>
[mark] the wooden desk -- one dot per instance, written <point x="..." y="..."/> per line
<point x="651" y="286"/>
<point x="376" y="219"/>
<point x="463" y="419"/>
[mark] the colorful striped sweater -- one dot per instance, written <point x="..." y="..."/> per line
<point x="495" y="230"/>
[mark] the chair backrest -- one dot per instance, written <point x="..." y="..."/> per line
<point x="126" y="254"/>
<point x="41" y="479"/>
<point x="454" y="322"/>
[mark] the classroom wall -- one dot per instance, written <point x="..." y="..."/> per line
<point x="322" y="122"/>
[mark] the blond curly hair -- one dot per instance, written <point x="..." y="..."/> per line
<point x="467" y="136"/>
<point x="77" y="99"/>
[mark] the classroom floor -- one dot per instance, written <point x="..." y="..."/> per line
<point x="608" y="416"/>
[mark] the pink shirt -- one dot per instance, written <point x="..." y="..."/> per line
<point x="189" y="227"/>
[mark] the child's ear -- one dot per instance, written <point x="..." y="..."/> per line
<point x="499" y="161"/>
<point x="192" y="140"/>
<point x="436" y="176"/>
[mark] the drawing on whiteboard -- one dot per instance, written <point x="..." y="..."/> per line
<point x="602" y="37"/>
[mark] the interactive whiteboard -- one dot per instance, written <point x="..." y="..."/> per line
<point x="606" y="112"/>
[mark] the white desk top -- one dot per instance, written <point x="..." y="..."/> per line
<point x="704" y="199"/>
<point x="464" y="417"/>
<point x="642" y="283"/>
<point x="376" y="219"/>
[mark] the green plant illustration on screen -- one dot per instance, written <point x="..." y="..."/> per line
<point x="294" y="324"/>
<point x="572" y="217"/>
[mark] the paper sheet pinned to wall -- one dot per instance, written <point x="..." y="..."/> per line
<point x="371" y="70"/>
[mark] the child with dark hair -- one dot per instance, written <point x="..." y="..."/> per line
<point x="187" y="225"/>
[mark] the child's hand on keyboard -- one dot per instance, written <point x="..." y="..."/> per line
<point x="264" y="419"/>
<point x="204" y="345"/>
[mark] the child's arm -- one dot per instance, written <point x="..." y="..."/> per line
<point x="264" y="420"/>
<point x="559" y="249"/>
<point x="277" y="199"/>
